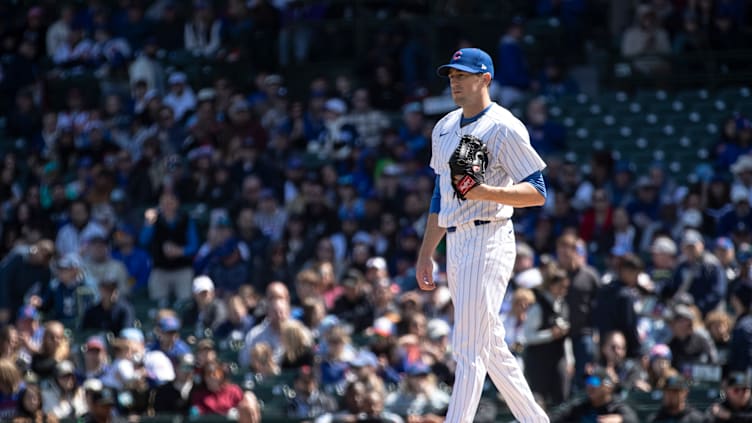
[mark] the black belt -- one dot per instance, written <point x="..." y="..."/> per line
<point x="475" y="222"/>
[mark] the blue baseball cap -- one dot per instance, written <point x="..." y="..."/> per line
<point x="471" y="60"/>
<point x="27" y="312"/>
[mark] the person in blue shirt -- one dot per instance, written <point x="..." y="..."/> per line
<point x="168" y="339"/>
<point x="136" y="260"/>
<point x="69" y="294"/>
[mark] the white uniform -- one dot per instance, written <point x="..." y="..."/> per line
<point x="480" y="256"/>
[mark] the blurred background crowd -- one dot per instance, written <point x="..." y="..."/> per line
<point x="212" y="209"/>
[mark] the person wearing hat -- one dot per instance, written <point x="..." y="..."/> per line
<point x="95" y="359"/>
<point x="699" y="274"/>
<point x="136" y="260"/>
<point x="418" y="394"/>
<point x="353" y="306"/>
<point x="736" y="403"/>
<point x="180" y="98"/>
<point x="21" y="272"/>
<point x="308" y="401"/>
<point x="112" y="313"/>
<point x="30" y="332"/>
<point x="205" y="310"/>
<point x="101" y="404"/>
<point x="174" y="397"/>
<point x="168" y="339"/>
<point x="69" y="294"/>
<point x="600" y="404"/>
<point x="688" y="345"/>
<point x="674" y="406"/>
<point x="61" y="396"/>
<point x="663" y="261"/>
<point x="615" y="303"/>
<point x="100" y="264"/>
<point x="230" y="268"/>
<point x="725" y="250"/>
<point x="740" y="348"/>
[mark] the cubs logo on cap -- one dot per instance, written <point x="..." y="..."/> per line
<point x="471" y="60"/>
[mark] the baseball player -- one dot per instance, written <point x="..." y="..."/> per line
<point x="475" y="214"/>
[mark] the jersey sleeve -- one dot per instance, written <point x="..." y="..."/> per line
<point x="516" y="155"/>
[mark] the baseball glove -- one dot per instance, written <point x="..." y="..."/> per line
<point x="468" y="165"/>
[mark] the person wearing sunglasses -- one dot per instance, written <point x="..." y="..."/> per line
<point x="599" y="405"/>
<point x="735" y="405"/>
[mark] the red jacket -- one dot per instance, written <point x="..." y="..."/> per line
<point x="217" y="402"/>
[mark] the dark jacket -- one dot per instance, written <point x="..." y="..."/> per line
<point x="688" y="415"/>
<point x="615" y="310"/>
<point x="743" y="415"/>
<point x="18" y="279"/>
<point x="118" y="317"/>
<point x="182" y="232"/>
<point x="740" y="350"/>
<point x="580" y="297"/>
<point x="215" y="314"/>
<point x="585" y="412"/>
<point x="705" y="280"/>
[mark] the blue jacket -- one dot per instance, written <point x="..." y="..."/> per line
<point x="707" y="282"/>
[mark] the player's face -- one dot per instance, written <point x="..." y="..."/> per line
<point x="466" y="86"/>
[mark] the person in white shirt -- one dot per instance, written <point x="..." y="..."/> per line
<point x="57" y="34"/>
<point x="181" y="98"/>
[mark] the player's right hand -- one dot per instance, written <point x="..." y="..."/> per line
<point x="424" y="274"/>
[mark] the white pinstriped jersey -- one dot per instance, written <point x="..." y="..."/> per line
<point x="511" y="159"/>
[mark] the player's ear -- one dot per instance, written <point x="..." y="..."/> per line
<point x="487" y="78"/>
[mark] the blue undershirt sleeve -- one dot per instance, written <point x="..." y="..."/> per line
<point x="536" y="179"/>
<point x="435" y="198"/>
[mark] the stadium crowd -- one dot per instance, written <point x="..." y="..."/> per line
<point x="167" y="244"/>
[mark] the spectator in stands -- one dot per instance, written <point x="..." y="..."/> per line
<point x="514" y="322"/>
<point x="215" y="394"/>
<point x="548" y="351"/>
<point x="674" y="406"/>
<point x="600" y="402"/>
<point x="55" y="348"/>
<point x="268" y="331"/>
<point x="30" y="407"/>
<point x="741" y="213"/>
<point x="369" y="122"/>
<point x="690" y="37"/>
<point x="699" y="274"/>
<point x="22" y="275"/>
<point x="180" y="98"/>
<point x="9" y="344"/>
<point x="308" y="401"/>
<point x="418" y="394"/>
<point x="113" y="313"/>
<point x="96" y="359"/>
<point x="61" y="396"/>
<point x="297" y="344"/>
<point x="336" y="353"/>
<point x="644" y="209"/>
<point x="663" y="261"/>
<point x="10" y="386"/>
<point x="735" y="405"/>
<point x="740" y="349"/>
<point x="514" y="76"/>
<point x="168" y="339"/>
<point x="353" y="305"/>
<point x="628" y="373"/>
<point x="174" y="397"/>
<point x="70" y="238"/>
<point x="688" y="345"/>
<point x="583" y="288"/>
<point x="69" y="294"/>
<point x="262" y="360"/>
<point x="203" y="33"/>
<point x="76" y="50"/>
<point x="352" y="401"/>
<point x="30" y="334"/>
<point x="101" y="266"/>
<point x="553" y="81"/>
<point x="238" y="322"/>
<point x="548" y="137"/>
<point x="614" y="308"/>
<point x="205" y="310"/>
<point x="170" y="236"/>
<point x="646" y="38"/>
<point x="57" y="33"/>
<point x="137" y="261"/>
<point x="718" y="324"/>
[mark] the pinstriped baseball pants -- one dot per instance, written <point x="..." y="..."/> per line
<point x="479" y="265"/>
